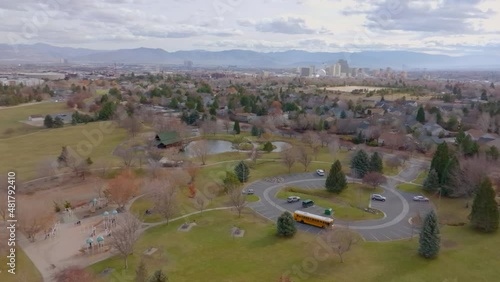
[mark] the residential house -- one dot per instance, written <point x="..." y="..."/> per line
<point x="243" y="117"/>
<point x="167" y="139"/>
<point x="434" y="129"/>
<point x="36" y="118"/>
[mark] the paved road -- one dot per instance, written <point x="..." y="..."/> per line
<point x="398" y="208"/>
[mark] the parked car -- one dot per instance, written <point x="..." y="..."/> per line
<point x="248" y="192"/>
<point x="320" y="172"/>
<point x="292" y="199"/>
<point x="420" y="199"/>
<point x="378" y="197"/>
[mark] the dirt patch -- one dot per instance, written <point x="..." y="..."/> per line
<point x="448" y="244"/>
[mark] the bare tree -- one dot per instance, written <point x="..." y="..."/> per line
<point x="341" y="240"/>
<point x="99" y="187"/>
<point x="374" y="179"/>
<point x="73" y="274"/>
<point x="254" y="155"/>
<point x="127" y="155"/>
<point x="165" y="199"/>
<point x="122" y="188"/>
<point x="200" y="203"/>
<point x="227" y="125"/>
<point x="393" y="162"/>
<point x="208" y="127"/>
<point x="288" y="157"/>
<point x="201" y="150"/>
<point x="132" y="124"/>
<point x="466" y="178"/>
<point x="102" y="166"/>
<point x="125" y="235"/>
<point x="47" y="168"/>
<point x="325" y="138"/>
<point x="34" y="218"/>
<point x="304" y="157"/>
<point x="238" y="200"/>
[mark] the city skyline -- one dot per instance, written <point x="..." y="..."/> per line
<point x="452" y="27"/>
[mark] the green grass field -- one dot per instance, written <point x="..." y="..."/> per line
<point x="421" y="177"/>
<point x="11" y="117"/>
<point x="26" y="153"/>
<point x="25" y="269"/>
<point x="209" y="253"/>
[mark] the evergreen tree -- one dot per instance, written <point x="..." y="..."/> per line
<point x="459" y="139"/>
<point x="484" y="95"/>
<point x="376" y="164"/>
<point x="236" y="127"/>
<point x="231" y="182"/>
<point x="268" y="147"/>
<point x="107" y="111"/>
<point x="429" y="243"/>
<point x="484" y="215"/>
<point x="360" y="164"/>
<point x="441" y="163"/>
<point x="439" y="118"/>
<point x="431" y="183"/>
<point x="343" y="115"/>
<point x="286" y="225"/>
<point x="420" y="115"/>
<point x="48" y="121"/>
<point x="493" y="153"/>
<point x="255" y="131"/>
<point x="58" y="122"/>
<point x="141" y="273"/>
<point x="158" y="276"/>
<point x="242" y="171"/>
<point x="336" y="181"/>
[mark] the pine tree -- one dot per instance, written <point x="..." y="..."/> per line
<point x="420" y="115"/>
<point x="459" y="139"/>
<point x="48" y="121"/>
<point x="336" y="181"/>
<point x="141" y="273"/>
<point x="430" y="240"/>
<point x="484" y="215"/>
<point x="242" y="172"/>
<point x="360" y="164"/>
<point x="286" y="225"/>
<point x="431" y="183"/>
<point x="255" y="131"/>
<point x="268" y="147"/>
<point x="58" y="122"/>
<point x="376" y="164"/>
<point x="158" y="276"/>
<point x="343" y="115"/>
<point x="441" y="162"/>
<point x="236" y="127"/>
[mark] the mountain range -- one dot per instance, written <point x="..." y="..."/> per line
<point x="43" y="53"/>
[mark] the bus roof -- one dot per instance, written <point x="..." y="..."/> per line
<point x="303" y="213"/>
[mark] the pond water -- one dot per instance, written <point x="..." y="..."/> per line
<point x="221" y="146"/>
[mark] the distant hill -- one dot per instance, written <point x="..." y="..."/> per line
<point x="43" y="53"/>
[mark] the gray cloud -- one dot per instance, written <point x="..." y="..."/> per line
<point x="448" y="16"/>
<point x="286" y="25"/>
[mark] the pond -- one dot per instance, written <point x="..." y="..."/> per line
<point x="221" y="146"/>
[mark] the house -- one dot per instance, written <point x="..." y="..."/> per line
<point x="243" y="117"/>
<point x="66" y="117"/>
<point x="167" y="139"/>
<point x="475" y="134"/>
<point x="434" y="129"/>
<point x="36" y="118"/>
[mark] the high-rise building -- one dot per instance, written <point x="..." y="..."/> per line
<point x="344" y="66"/>
<point x="305" y="72"/>
<point x="337" y="70"/>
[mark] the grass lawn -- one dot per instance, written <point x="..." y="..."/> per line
<point x="344" y="205"/>
<point x="25" y="153"/>
<point x="411" y="188"/>
<point x="209" y="253"/>
<point x="25" y="269"/>
<point x="421" y="177"/>
<point x="11" y="117"/>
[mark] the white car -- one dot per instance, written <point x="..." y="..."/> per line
<point x="378" y="197"/>
<point x="292" y="199"/>
<point x="420" y="199"/>
<point x="320" y="172"/>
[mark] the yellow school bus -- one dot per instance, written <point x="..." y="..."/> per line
<point x="312" y="219"/>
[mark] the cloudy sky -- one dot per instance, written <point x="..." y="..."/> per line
<point x="433" y="26"/>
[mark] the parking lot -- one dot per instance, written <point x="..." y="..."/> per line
<point x="398" y="208"/>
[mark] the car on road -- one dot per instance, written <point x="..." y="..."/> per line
<point x="320" y="172"/>
<point x="292" y="199"/>
<point x="248" y="192"/>
<point x="378" y="197"/>
<point x="420" y="199"/>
